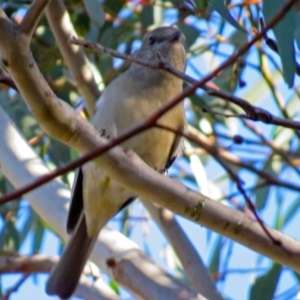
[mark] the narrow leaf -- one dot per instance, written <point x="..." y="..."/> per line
<point x="214" y="265"/>
<point x="291" y="211"/>
<point x="284" y="33"/>
<point x="191" y="34"/>
<point x="220" y="7"/>
<point x="95" y="11"/>
<point x="264" y="286"/>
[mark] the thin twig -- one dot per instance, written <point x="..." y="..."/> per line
<point x="149" y="121"/>
<point x="14" y="288"/>
<point x="229" y="157"/>
<point x="252" y="112"/>
<point x="214" y="152"/>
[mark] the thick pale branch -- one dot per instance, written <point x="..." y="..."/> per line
<point x="78" y="64"/>
<point x="97" y="290"/>
<point x="21" y="165"/>
<point x="6" y="79"/>
<point x="31" y="84"/>
<point x="127" y="264"/>
<point x="192" y="263"/>
<point x="129" y="170"/>
<point x="252" y="112"/>
<point x="32" y="17"/>
<point x="16" y="263"/>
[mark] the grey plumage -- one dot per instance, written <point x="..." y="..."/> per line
<point x="127" y="101"/>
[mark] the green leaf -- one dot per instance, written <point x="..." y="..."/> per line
<point x="38" y="238"/>
<point x="265" y="286"/>
<point x="147" y="18"/>
<point x="220" y="7"/>
<point x="262" y="193"/>
<point x="112" y="7"/>
<point x="12" y="239"/>
<point x="191" y="34"/>
<point x="238" y="38"/>
<point x="27" y="225"/>
<point x="59" y="152"/>
<point x="114" y="285"/>
<point x="95" y="11"/>
<point x="297" y="276"/>
<point x="278" y="220"/>
<point x="291" y="211"/>
<point x="199" y="102"/>
<point x="201" y="4"/>
<point x="297" y="28"/>
<point x="284" y="33"/>
<point x="214" y="264"/>
<point x="125" y="222"/>
<point x="111" y="36"/>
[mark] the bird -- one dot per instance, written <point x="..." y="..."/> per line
<point x="127" y="100"/>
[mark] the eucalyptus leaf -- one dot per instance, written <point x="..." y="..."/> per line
<point x="214" y="265"/>
<point x="12" y="238"/>
<point x="284" y="32"/>
<point x="220" y="7"/>
<point x="114" y="285"/>
<point x="264" y="287"/>
<point x="147" y="17"/>
<point x="28" y="224"/>
<point x="297" y="29"/>
<point x="191" y="34"/>
<point x="291" y="212"/>
<point x="112" y="7"/>
<point x="38" y="238"/>
<point x="262" y="193"/>
<point x="95" y="11"/>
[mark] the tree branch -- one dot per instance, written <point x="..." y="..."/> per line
<point x="126" y="168"/>
<point x="78" y="64"/>
<point x="233" y="159"/>
<point x="11" y="263"/>
<point x="192" y="263"/>
<point x="6" y="79"/>
<point x="21" y="165"/>
<point x="32" y="17"/>
<point x="127" y="263"/>
<point x="14" y="288"/>
<point x="253" y="113"/>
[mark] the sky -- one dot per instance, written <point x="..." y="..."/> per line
<point x="150" y="239"/>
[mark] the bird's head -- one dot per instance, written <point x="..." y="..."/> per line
<point x="168" y="42"/>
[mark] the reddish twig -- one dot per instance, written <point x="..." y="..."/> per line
<point x="152" y="119"/>
<point x="214" y="152"/>
<point x="14" y="288"/>
<point x="252" y="112"/>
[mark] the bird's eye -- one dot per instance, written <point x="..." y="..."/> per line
<point x="151" y="40"/>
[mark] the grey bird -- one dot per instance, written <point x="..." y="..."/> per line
<point x="128" y="100"/>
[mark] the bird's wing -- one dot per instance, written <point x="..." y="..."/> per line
<point x="76" y="206"/>
<point x="176" y="149"/>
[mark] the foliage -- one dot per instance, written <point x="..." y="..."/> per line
<point x="256" y="152"/>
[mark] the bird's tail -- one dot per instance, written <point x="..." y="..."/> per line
<point x="65" y="276"/>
